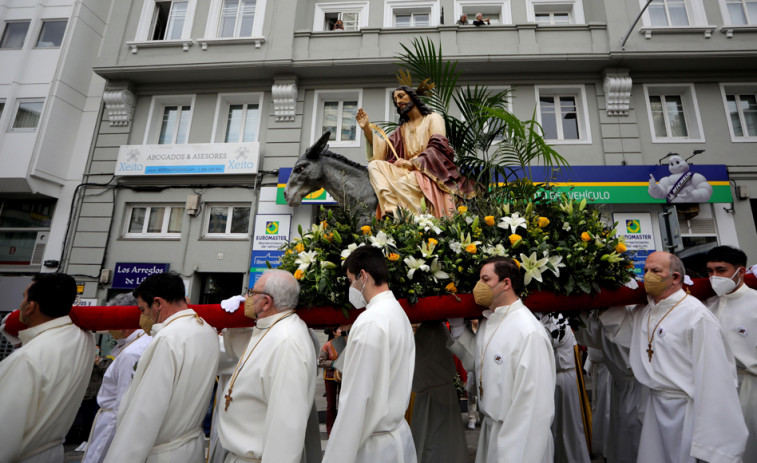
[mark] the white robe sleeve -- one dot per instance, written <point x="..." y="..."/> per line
<point x="17" y="399"/>
<point x="363" y="363"/>
<point x="464" y="349"/>
<point x="617" y="324"/>
<point x="289" y="404"/>
<point x="124" y="374"/>
<point x="719" y="433"/>
<point x="142" y="414"/>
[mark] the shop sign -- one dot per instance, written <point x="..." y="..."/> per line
<point x="316" y="197"/>
<point x="188" y="159"/>
<point x="271" y="232"/>
<point x="636" y="229"/>
<point x="129" y="275"/>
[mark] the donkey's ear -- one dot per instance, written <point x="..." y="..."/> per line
<point x="319" y="146"/>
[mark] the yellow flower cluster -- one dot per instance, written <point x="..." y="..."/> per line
<point x="298" y="274"/>
<point x="585" y="237"/>
<point x="366" y="229"/>
<point x="543" y="222"/>
<point x="471" y="248"/>
<point x="393" y="256"/>
<point x="489" y="220"/>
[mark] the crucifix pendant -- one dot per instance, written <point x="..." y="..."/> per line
<point x="480" y="391"/>
<point x="228" y="400"/>
<point x="650" y="351"/>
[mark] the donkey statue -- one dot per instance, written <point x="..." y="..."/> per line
<point x="345" y="180"/>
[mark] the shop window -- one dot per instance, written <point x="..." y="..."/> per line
<point x="169" y="120"/>
<point x="353" y="15"/>
<point x="227" y="220"/>
<point x="673" y="113"/>
<point x="555" y="12"/>
<point x="562" y="113"/>
<point x="14" y="34"/>
<point x="51" y="34"/>
<point x="28" y="113"/>
<point x="336" y="112"/>
<point x="154" y="221"/>
<point x="741" y="111"/>
<point x="741" y="12"/>
<point x="24" y="229"/>
<point x="498" y="12"/>
<point x="406" y="14"/>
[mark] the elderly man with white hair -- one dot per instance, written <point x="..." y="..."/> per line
<point x="269" y="397"/>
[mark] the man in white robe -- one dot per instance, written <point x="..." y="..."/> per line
<point x="515" y="368"/>
<point x="268" y="400"/>
<point x="736" y="307"/>
<point x="378" y="371"/>
<point x="678" y="350"/>
<point x="160" y="416"/>
<point x="43" y="383"/>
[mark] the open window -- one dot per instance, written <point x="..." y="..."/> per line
<point x="354" y="16"/>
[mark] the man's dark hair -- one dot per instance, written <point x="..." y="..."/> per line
<point x="371" y="260"/>
<point x="728" y="254"/>
<point x="506" y="267"/>
<point x="168" y="286"/>
<point x="416" y="101"/>
<point x="54" y="292"/>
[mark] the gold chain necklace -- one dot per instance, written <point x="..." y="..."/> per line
<point x="651" y="338"/>
<point x="245" y="356"/>
<point x="483" y="355"/>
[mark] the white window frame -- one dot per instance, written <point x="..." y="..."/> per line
<point x="155" y="116"/>
<point x="694" y="10"/>
<point x="224" y="102"/>
<point x="484" y="6"/>
<point x="690" y="111"/>
<point x="737" y="88"/>
<point x="582" y="111"/>
<point x="163" y="234"/>
<point x="227" y="233"/>
<point x="213" y="26"/>
<point x="727" y="20"/>
<point x="17" y="106"/>
<point x="144" y="29"/>
<point x="41" y="27"/>
<point x="390" y="6"/>
<point x="574" y="7"/>
<point x="3" y="109"/>
<point x="5" y="27"/>
<point x="321" y="96"/>
<point x="322" y="9"/>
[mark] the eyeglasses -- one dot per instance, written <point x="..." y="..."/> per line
<point x="250" y="292"/>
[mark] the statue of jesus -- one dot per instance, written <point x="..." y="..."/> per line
<point x="415" y="162"/>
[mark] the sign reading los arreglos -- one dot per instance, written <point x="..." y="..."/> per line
<point x="188" y="159"/>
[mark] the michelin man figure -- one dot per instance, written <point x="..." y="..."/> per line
<point x="681" y="186"/>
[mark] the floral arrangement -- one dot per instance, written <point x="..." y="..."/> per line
<point x="561" y="246"/>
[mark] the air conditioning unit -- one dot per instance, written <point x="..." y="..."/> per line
<point x="39" y="248"/>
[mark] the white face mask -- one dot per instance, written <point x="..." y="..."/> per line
<point x="356" y="296"/>
<point x="723" y="285"/>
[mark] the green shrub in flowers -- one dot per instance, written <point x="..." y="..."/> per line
<point x="561" y="246"/>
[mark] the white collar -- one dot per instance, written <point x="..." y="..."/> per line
<point x="383" y="296"/>
<point x="31" y="333"/>
<point x="265" y="323"/>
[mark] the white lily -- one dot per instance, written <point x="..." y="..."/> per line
<point x="513" y="222"/>
<point x="533" y="267"/>
<point x="456" y="247"/>
<point x="428" y="222"/>
<point x="306" y="258"/>
<point x="497" y="250"/>
<point x="351" y="247"/>
<point x="382" y="240"/>
<point x="436" y="270"/>
<point x="566" y="226"/>
<point x="555" y="263"/>
<point x="427" y="249"/>
<point x="414" y="264"/>
<point x="327" y="265"/>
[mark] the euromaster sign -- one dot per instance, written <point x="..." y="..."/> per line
<point x="271" y="232"/>
<point x="188" y="159"/>
<point x="706" y="183"/>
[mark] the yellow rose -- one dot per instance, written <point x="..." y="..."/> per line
<point x="516" y="261"/>
<point x="451" y="288"/>
<point x="393" y="256"/>
<point x="366" y="229"/>
<point x="515" y="238"/>
<point x="432" y="242"/>
<point x="489" y="220"/>
<point x="585" y="236"/>
<point x="462" y="209"/>
<point x="298" y="274"/>
<point x="620" y="248"/>
<point x="471" y="248"/>
<point x="300" y="247"/>
<point x="543" y="222"/>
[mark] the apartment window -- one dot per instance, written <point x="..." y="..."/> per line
<point x="242" y="123"/>
<point x="555" y="12"/>
<point x="742" y="12"/>
<point x="563" y="114"/>
<point x="2" y="107"/>
<point x="668" y="13"/>
<point x="158" y="221"/>
<point x="27" y="115"/>
<point x="350" y="20"/>
<point x="741" y="110"/>
<point x="335" y="112"/>
<point x="14" y="34"/>
<point x="51" y="34"/>
<point x="24" y="229"/>
<point x="168" y="20"/>
<point x="175" y="125"/>
<point x="673" y="113"/>
<point x="497" y="11"/>
<point x="227" y="220"/>
<point x="237" y="18"/>
<point x="406" y="14"/>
